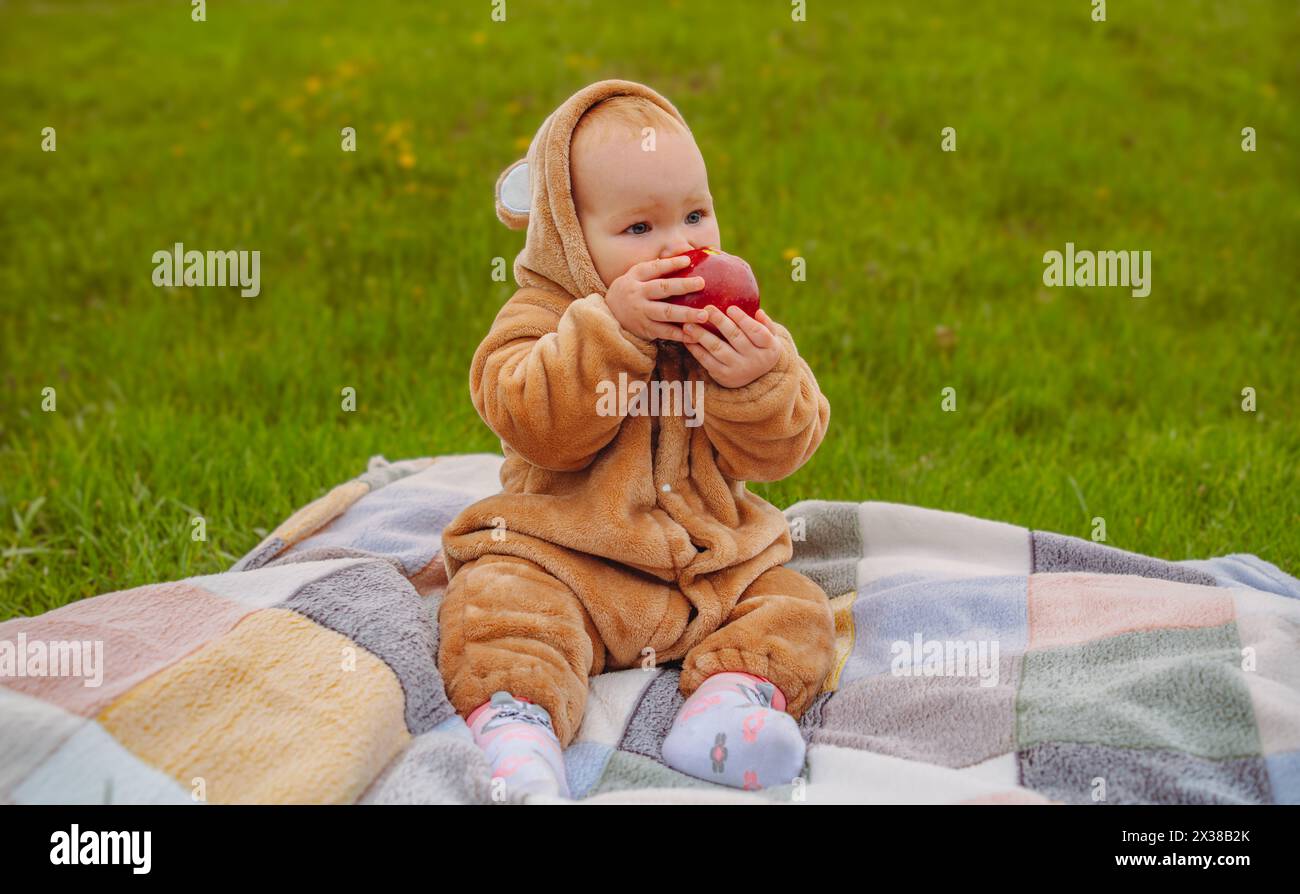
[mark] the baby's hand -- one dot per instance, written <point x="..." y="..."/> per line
<point x="636" y="299"/>
<point x="752" y="346"/>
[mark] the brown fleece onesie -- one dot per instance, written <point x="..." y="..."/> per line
<point x="620" y="540"/>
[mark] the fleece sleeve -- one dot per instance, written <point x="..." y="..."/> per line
<point x="767" y="429"/>
<point x="535" y="378"/>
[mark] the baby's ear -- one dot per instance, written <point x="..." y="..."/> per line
<point x="514" y="195"/>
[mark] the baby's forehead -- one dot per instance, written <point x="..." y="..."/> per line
<point x="636" y="130"/>
<point x="602" y="138"/>
<point x="622" y="146"/>
<point x="619" y="170"/>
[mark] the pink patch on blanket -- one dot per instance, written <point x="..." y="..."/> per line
<point x="122" y="638"/>
<point x="1065" y="609"/>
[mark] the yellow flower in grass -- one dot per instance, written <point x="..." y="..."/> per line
<point x="312" y="84"/>
<point x="396" y="131"/>
<point x="577" y="61"/>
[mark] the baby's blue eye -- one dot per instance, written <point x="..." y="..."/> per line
<point x="635" y="232"/>
<point x="698" y="215"/>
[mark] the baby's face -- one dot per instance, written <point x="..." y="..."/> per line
<point x="637" y="206"/>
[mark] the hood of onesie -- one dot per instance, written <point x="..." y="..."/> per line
<point x="536" y="192"/>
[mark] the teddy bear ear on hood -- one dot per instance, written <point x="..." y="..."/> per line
<point x="514" y="194"/>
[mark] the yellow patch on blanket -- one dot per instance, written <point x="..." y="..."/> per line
<point x="268" y="713"/>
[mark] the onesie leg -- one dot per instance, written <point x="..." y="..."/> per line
<point x="782" y="629"/>
<point x="505" y="624"/>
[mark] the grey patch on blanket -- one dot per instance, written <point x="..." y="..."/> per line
<point x="813" y="716"/>
<point x="260" y="555"/>
<point x="1057" y="553"/>
<point x="913" y="717"/>
<point x="372" y="604"/>
<point x="831" y="544"/>
<point x="432" y="605"/>
<point x="653" y="716"/>
<point x="435" y="768"/>
<point x="326" y="553"/>
<point x="1065" y="771"/>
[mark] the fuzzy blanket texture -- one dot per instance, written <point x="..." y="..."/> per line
<point x="977" y="662"/>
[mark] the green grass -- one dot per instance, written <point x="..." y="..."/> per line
<point x="821" y="138"/>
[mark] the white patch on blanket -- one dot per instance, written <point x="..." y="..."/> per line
<point x="850" y="776"/>
<point x="897" y="539"/>
<point x="610" y="702"/>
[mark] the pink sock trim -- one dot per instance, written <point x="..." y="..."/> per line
<point x="473" y="715"/>
<point x="778" y="697"/>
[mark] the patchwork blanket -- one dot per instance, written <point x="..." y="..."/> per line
<point x="976" y="662"/>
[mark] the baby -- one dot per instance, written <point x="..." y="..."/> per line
<point x="630" y="540"/>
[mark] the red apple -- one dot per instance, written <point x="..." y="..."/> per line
<point x="727" y="281"/>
